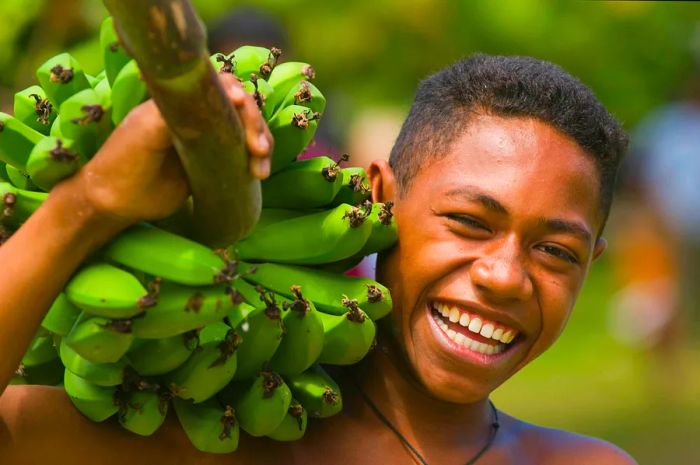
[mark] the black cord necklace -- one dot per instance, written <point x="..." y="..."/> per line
<point x="492" y="435"/>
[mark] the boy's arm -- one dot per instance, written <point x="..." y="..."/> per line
<point x="37" y="261"/>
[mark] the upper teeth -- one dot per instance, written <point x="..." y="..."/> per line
<point x="476" y="324"/>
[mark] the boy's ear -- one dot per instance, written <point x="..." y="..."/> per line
<point x="600" y="245"/>
<point x="382" y="181"/>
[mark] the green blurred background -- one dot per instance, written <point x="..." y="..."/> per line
<point x="371" y="55"/>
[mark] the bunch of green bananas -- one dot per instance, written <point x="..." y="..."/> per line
<point x="231" y="339"/>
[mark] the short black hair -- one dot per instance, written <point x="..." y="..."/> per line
<point x="507" y="86"/>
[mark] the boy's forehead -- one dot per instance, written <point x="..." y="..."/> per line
<point x="511" y="159"/>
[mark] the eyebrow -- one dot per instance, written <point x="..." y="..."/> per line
<point x="565" y="226"/>
<point x="560" y="225"/>
<point x="475" y="195"/>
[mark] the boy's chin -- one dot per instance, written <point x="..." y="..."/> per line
<point x="446" y="386"/>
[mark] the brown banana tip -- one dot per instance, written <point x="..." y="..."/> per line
<point x="61" y="75"/>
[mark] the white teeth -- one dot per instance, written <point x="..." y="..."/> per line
<point x="474" y="345"/>
<point x="475" y="325"/>
<point x="486" y="330"/>
<point x="507" y="337"/>
<point x="466" y="341"/>
<point x="497" y="334"/>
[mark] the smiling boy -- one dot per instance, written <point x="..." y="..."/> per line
<point x="502" y="180"/>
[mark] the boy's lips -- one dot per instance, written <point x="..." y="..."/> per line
<point x="470" y="334"/>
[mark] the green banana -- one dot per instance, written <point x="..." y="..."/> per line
<point x="151" y="357"/>
<point x="247" y="60"/>
<point x="342" y="266"/>
<point x="142" y="412"/>
<point x="168" y="256"/>
<point x="293" y="426"/>
<point x="292" y="128"/>
<point x="239" y="314"/>
<point x="51" y="160"/>
<point x="86" y="119"/>
<point x="60" y="77"/>
<point x="16" y="141"/>
<point x="209" y="369"/>
<point x="384" y="234"/>
<point x="324" y="237"/>
<point x="283" y="78"/>
<point x="3" y="173"/>
<point x="261" y="335"/>
<point x="128" y="90"/>
<point x="32" y="108"/>
<point x="41" y="350"/>
<point x="102" y="374"/>
<point x="112" y="51"/>
<point x="324" y="289"/>
<point x="104" y="290"/>
<point x="55" y="130"/>
<point x="259" y="89"/>
<point x="261" y="407"/>
<point x="355" y="187"/>
<point x="176" y="309"/>
<point x="253" y="295"/>
<point x="16" y="205"/>
<point x="20" y="179"/>
<point x="104" y="91"/>
<point x="304" y="184"/>
<point x="95" y="402"/>
<point x="303" y="336"/>
<point x="93" y="80"/>
<point x="61" y="316"/>
<point x="100" y="340"/>
<point x="270" y="216"/>
<point x="347" y="338"/>
<point x="317" y="392"/>
<point x="209" y="426"/>
<point x="48" y="373"/>
<point x="305" y="94"/>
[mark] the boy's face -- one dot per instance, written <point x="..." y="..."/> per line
<point x="497" y="235"/>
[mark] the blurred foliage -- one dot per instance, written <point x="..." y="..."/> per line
<point x="635" y="56"/>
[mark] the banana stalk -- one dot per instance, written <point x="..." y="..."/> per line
<point x="167" y="40"/>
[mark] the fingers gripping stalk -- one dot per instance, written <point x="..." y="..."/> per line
<point x="167" y="40"/>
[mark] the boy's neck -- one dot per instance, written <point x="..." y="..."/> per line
<point x="426" y="422"/>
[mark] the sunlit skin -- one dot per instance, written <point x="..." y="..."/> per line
<point x="504" y="241"/>
<point x="505" y="223"/>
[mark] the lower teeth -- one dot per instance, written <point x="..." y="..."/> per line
<point x="466" y="341"/>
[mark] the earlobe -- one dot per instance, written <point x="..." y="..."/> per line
<point x="382" y="181"/>
<point x="600" y="245"/>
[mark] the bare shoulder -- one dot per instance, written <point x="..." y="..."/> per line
<point x="557" y="447"/>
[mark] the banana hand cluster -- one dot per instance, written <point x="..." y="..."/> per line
<point x="231" y="339"/>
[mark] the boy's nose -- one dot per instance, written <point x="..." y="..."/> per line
<point x="501" y="274"/>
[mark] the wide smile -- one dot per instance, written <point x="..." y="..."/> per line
<point x="470" y="334"/>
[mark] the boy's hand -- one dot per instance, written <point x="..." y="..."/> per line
<point x="137" y="175"/>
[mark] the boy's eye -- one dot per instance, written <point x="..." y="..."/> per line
<point x="468" y="221"/>
<point x="559" y="253"/>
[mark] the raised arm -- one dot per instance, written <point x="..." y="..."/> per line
<point x="135" y="176"/>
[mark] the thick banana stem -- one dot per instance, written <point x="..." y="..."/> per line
<point x="167" y="40"/>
